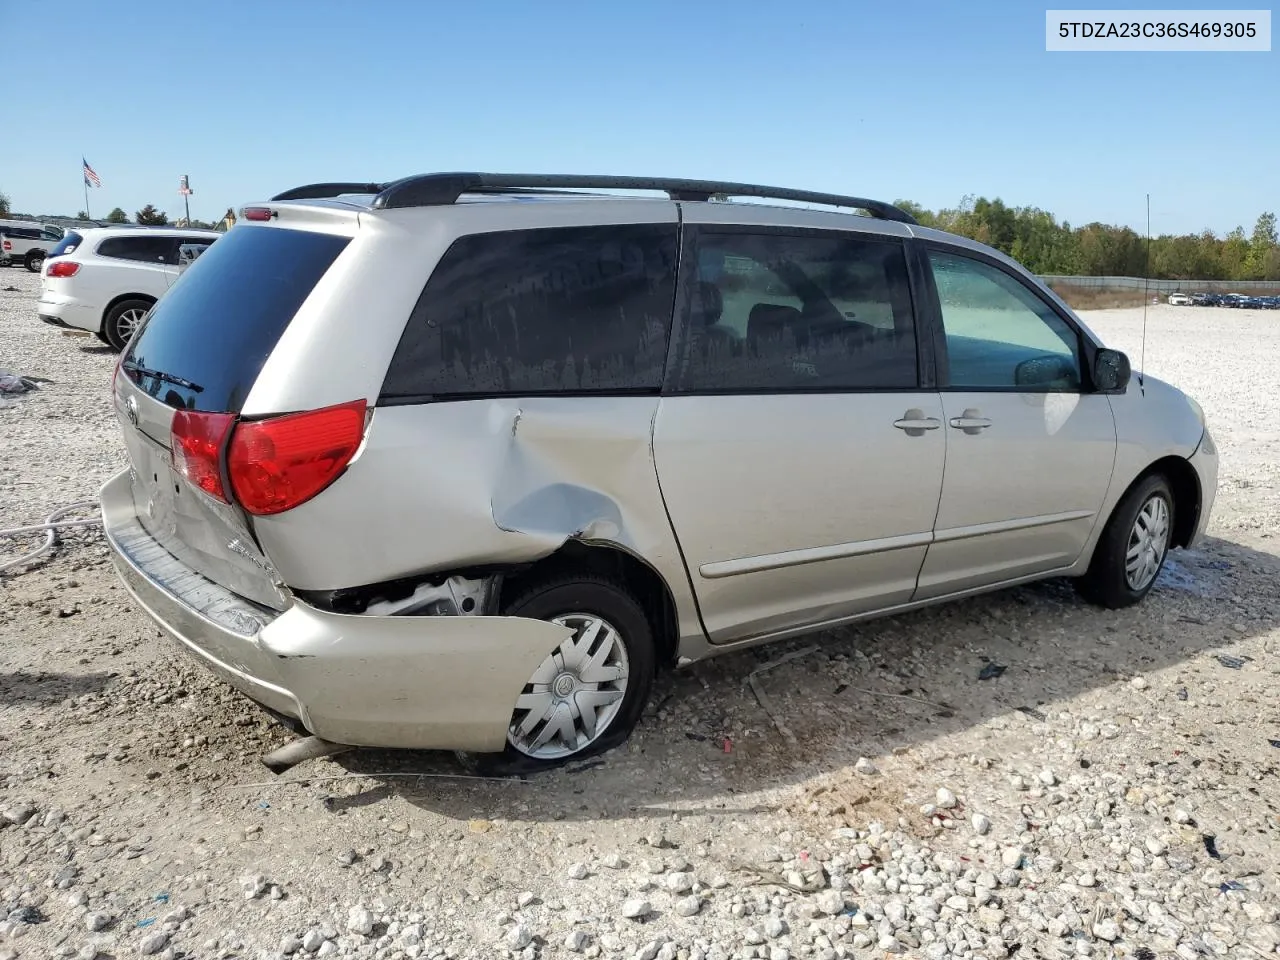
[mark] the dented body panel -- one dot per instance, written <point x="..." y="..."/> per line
<point x="447" y="486"/>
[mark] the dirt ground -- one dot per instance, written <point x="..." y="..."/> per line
<point x="135" y="815"/>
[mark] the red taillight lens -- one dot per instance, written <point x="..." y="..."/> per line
<point x="5" y="244"/>
<point x="62" y="268"/>
<point x="258" y="213"/>
<point x="277" y="464"/>
<point x="198" y="439"/>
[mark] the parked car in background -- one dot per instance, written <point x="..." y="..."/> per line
<point x="1179" y="300"/>
<point x="106" y="280"/>
<point x="432" y="466"/>
<point x="27" y="242"/>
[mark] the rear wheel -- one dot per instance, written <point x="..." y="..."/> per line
<point x="1132" y="549"/>
<point x="122" y="320"/>
<point x="587" y="695"/>
<point x="34" y="260"/>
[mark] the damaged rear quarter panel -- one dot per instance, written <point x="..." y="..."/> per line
<point x="449" y="485"/>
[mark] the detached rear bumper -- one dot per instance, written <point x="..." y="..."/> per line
<point x="419" y="682"/>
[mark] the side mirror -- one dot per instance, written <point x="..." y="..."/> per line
<point x="1047" y="371"/>
<point x="1111" y="371"/>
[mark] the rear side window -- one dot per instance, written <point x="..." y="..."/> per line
<point x="70" y="240"/>
<point x="143" y="249"/>
<point x="205" y="342"/>
<point x="557" y="310"/>
<point x="778" y="312"/>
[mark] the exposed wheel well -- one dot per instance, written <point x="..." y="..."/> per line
<point x="608" y="560"/>
<point x="121" y="299"/>
<point x="1186" y="495"/>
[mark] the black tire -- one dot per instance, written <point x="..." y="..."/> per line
<point x="34" y="260"/>
<point x="1105" y="583"/>
<point x="113" y="327"/>
<point x="613" y="602"/>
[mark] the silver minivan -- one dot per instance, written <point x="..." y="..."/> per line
<point x="459" y="461"/>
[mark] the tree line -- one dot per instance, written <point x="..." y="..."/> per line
<point x="148" y="216"/>
<point x="1039" y="242"/>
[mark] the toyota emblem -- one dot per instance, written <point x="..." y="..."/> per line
<point x="131" y="409"/>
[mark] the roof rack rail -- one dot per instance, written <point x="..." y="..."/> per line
<point x="318" y="191"/>
<point x="442" y="189"/>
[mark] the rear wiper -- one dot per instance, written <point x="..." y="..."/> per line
<point x="158" y="375"/>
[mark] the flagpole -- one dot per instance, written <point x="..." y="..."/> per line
<point x="86" y="195"/>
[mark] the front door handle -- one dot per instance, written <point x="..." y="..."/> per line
<point x="915" y="423"/>
<point x="970" y="421"/>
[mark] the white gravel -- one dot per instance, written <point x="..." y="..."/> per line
<point x="1112" y="793"/>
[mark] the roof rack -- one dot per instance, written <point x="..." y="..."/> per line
<point x="317" y="191"/>
<point x="442" y="189"/>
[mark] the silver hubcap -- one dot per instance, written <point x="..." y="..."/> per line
<point x="575" y="693"/>
<point x="128" y="322"/>
<point x="1148" y="542"/>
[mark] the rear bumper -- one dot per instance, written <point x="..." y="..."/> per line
<point x="418" y="682"/>
<point x="64" y="311"/>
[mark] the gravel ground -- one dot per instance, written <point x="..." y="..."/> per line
<point x="1112" y="792"/>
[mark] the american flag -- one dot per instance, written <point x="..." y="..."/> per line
<point x="91" y="178"/>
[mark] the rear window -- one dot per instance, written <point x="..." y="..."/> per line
<point x="204" y="344"/>
<point x="555" y="310"/>
<point x="144" y="249"/>
<point x="70" y="240"/>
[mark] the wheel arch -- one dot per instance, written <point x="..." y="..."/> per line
<point x="121" y="298"/>
<point x="618" y="563"/>
<point x="1187" y="495"/>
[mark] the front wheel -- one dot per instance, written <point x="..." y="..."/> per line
<point x="587" y="695"/>
<point x="35" y="260"/>
<point x="1132" y="549"/>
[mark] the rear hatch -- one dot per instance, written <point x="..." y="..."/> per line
<point x="199" y="352"/>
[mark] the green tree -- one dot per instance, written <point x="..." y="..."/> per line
<point x="925" y="217"/>
<point x="82" y="214"/>
<point x="1261" y="245"/>
<point x="117" y="216"/>
<point x="4" y="204"/>
<point x="1235" y="256"/>
<point x="151" y="217"/>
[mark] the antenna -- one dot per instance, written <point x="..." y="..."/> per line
<point x="1146" y="297"/>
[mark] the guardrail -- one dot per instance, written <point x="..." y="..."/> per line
<point x="1166" y="286"/>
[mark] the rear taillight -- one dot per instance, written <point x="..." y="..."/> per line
<point x="274" y="465"/>
<point x="6" y="245"/>
<point x="198" y="440"/>
<point x="61" y="268"/>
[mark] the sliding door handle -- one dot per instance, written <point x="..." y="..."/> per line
<point x="970" y="421"/>
<point x="915" y="423"/>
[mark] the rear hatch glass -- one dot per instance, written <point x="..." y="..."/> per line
<point x="204" y="344"/>
<point x="201" y="348"/>
<point x="70" y="240"/>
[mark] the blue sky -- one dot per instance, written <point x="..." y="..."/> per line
<point x="925" y="101"/>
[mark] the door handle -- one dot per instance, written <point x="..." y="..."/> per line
<point x="915" y="423"/>
<point x="970" y="421"/>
